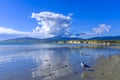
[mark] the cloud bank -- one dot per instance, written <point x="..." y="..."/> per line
<point x="8" y="33"/>
<point x="5" y="30"/>
<point x="51" y="24"/>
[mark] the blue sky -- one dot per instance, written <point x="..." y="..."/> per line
<point x="73" y="18"/>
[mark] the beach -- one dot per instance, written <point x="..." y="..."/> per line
<point x="106" y="68"/>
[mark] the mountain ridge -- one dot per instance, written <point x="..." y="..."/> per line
<point x="106" y="38"/>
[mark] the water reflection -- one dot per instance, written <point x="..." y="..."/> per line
<point x="47" y="62"/>
<point x="52" y="64"/>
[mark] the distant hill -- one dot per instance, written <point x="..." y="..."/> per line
<point x="20" y="40"/>
<point x="105" y="38"/>
<point x="30" y="40"/>
<point x="58" y="38"/>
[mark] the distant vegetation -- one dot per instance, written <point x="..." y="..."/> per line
<point x="90" y="41"/>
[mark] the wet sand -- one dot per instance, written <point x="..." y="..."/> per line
<point x="105" y="69"/>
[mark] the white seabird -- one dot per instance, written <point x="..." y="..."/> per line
<point x="84" y="65"/>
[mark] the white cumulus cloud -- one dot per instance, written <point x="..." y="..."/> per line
<point x="51" y="24"/>
<point x="101" y="29"/>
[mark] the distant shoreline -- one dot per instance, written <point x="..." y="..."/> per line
<point x="102" y="42"/>
<point x="106" y="40"/>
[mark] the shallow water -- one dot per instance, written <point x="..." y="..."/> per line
<point x="49" y="61"/>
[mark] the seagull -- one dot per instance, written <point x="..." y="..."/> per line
<point x="46" y="60"/>
<point x="84" y="65"/>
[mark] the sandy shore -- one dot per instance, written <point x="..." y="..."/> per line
<point x="105" y="69"/>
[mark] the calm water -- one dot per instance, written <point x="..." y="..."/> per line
<point x="49" y="61"/>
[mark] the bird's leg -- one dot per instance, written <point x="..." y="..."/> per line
<point x="84" y="69"/>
